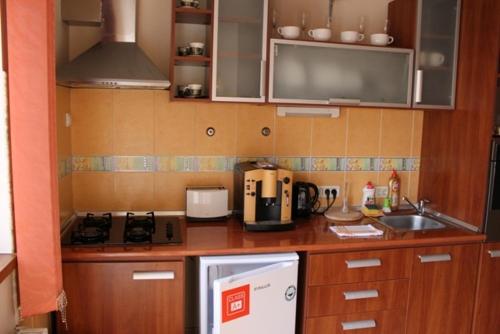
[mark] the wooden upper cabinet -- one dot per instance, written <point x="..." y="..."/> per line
<point x="487" y="313"/>
<point x="432" y="28"/>
<point x="240" y="50"/>
<point x="141" y="297"/>
<point x="442" y="290"/>
<point x="318" y="73"/>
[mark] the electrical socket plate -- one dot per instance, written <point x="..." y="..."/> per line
<point x="381" y="192"/>
<point x="322" y="190"/>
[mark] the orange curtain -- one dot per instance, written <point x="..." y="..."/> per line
<point x="31" y="84"/>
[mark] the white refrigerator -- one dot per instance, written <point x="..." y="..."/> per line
<point x="243" y="294"/>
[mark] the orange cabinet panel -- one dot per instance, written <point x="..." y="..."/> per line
<point x="442" y="288"/>
<point x="359" y="266"/>
<point x="357" y="297"/>
<point x="128" y="297"/>
<point x="487" y="317"/>
<point x="390" y="322"/>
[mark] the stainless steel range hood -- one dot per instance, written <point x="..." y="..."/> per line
<point x="116" y="61"/>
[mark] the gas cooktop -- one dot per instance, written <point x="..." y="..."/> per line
<point x="94" y="230"/>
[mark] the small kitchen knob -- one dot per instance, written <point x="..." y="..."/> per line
<point x="286" y="180"/>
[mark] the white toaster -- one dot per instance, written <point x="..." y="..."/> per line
<point x="206" y="203"/>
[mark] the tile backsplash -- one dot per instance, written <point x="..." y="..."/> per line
<point x="136" y="150"/>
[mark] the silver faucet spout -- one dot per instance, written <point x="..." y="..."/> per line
<point x="420" y="207"/>
<point x="411" y="204"/>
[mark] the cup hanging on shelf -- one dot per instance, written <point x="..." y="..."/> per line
<point x="361" y="27"/>
<point x="304" y="22"/>
<point x="386" y="26"/>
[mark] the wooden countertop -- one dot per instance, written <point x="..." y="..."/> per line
<point x="7" y="265"/>
<point x="312" y="235"/>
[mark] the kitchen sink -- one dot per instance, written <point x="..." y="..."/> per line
<point x="411" y="223"/>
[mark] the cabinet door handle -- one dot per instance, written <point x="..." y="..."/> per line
<point x="348" y="102"/>
<point x="362" y="324"/>
<point x="435" y="258"/>
<point x="494" y="253"/>
<point x="152" y="275"/>
<point x="419" y="82"/>
<point x="366" y="263"/>
<point x="363" y="294"/>
<point x="262" y="77"/>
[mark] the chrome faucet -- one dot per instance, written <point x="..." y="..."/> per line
<point x="420" y="207"/>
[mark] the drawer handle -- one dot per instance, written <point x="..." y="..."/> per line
<point x="363" y="294"/>
<point x="362" y="324"/>
<point x="153" y="275"/>
<point x="352" y="264"/>
<point x="494" y="253"/>
<point x="435" y="258"/>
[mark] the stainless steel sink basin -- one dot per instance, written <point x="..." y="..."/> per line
<point x="411" y="223"/>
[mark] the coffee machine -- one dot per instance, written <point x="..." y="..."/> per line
<point x="263" y="196"/>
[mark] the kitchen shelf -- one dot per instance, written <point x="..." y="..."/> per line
<point x="240" y="19"/>
<point x="192" y="60"/>
<point x="336" y="42"/>
<point x="239" y="55"/>
<point x="441" y="37"/>
<point x="436" y="68"/>
<point x="193" y="15"/>
<point x="190" y="68"/>
<point x="184" y="99"/>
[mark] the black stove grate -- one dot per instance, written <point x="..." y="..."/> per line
<point x="139" y="230"/>
<point x="93" y="229"/>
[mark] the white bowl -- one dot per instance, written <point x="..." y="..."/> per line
<point x="194" y="86"/>
<point x="197" y="45"/>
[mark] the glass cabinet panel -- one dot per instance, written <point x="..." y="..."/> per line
<point x="240" y="50"/>
<point x="326" y="73"/>
<point x="436" y="53"/>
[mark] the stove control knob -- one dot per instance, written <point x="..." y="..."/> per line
<point x="286" y="180"/>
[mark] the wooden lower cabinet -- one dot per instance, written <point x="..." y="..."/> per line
<point x="125" y="297"/>
<point x="487" y="313"/>
<point x="357" y="297"/>
<point x="385" y="322"/>
<point x="442" y="289"/>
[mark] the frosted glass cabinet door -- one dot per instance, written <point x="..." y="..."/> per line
<point x="436" y="53"/>
<point x="240" y="33"/>
<point x="339" y="74"/>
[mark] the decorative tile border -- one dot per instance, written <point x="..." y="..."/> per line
<point x="225" y="164"/>
<point x="64" y="167"/>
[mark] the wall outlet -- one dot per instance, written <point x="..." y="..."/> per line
<point x="381" y="192"/>
<point x="322" y="191"/>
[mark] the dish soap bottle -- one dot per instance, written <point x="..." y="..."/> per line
<point x="368" y="195"/>
<point x="394" y="190"/>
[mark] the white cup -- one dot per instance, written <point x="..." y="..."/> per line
<point x="381" y="39"/>
<point x="320" y="34"/>
<point x="435" y="59"/>
<point x="289" y="32"/>
<point x="351" y="36"/>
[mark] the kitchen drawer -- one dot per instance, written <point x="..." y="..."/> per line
<point x="387" y="322"/>
<point x="359" y="267"/>
<point x="357" y="297"/>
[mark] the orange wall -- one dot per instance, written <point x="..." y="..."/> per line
<point x="146" y="123"/>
